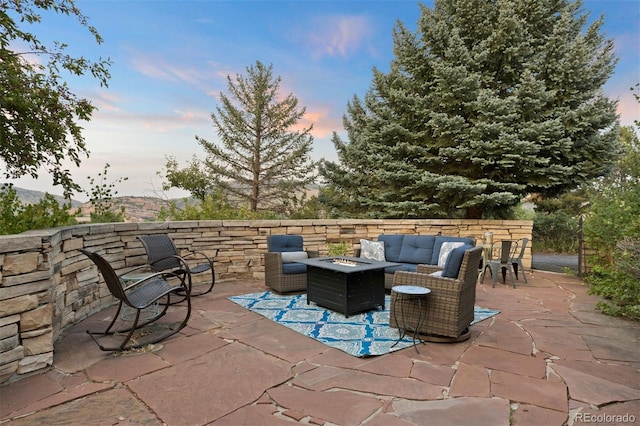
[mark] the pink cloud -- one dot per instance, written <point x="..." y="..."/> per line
<point x="628" y="109"/>
<point x="106" y="101"/>
<point x="323" y="123"/>
<point x="159" y="68"/>
<point x="338" y="35"/>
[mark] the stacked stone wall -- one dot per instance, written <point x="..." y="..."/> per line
<point x="47" y="285"/>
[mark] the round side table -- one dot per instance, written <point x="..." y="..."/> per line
<point x="405" y="293"/>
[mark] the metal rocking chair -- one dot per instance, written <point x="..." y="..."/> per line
<point x="164" y="256"/>
<point x="139" y="296"/>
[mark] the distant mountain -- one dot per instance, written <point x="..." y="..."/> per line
<point x="136" y="209"/>
<point x="28" y="196"/>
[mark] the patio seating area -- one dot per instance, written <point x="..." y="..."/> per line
<point x="548" y="358"/>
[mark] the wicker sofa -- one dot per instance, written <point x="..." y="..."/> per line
<point x="409" y="251"/>
<point x="449" y="306"/>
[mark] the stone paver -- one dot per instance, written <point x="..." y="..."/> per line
<point x="125" y="368"/>
<point x="255" y="415"/>
<point x="594" y="390"/>
<point x="457" y="411"/>
<point x="471" y="380"/>
<point x="213" y="385"/>
<point x="529" y="390"/>
<point x="526" y="414"/>
<point x="435" y="374"/>
<point x="117" y="406"/>
<point x="339" y="407"/>
<point x="548" y="358"/>
<point x="499" y="359"/>
<point x="507" y="335"/>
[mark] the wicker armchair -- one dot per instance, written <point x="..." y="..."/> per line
<point x="450" y="304"/>
<point x="281" y="272"/>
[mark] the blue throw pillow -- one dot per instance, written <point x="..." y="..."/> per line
<point x="454" y="261"/>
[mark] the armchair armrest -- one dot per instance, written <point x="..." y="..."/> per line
<point x="427" y="269"/>
<point x="437" y="285"/>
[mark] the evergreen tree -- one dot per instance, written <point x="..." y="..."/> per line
<point x="486" y="102"/>
<point x="261" y="160"/>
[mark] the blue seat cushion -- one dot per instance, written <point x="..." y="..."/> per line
<point x="417" y="249"/>
<point x="410" y="267"/>
<point x="285" y="243"/>
<point x="454" y="261"/>
<point x="392" y="246"/>
<point x="294" y="268"/>
<point x="437" y="245"/>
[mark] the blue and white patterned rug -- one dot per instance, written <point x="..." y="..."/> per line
<point x="360" y="335"/>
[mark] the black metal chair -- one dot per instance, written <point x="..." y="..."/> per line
<point x="139" y="296"/>
<point x="164" y="256"/>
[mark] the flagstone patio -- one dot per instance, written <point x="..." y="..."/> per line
<point x="548" y="358"/>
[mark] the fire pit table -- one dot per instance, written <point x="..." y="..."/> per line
<point x="347" y="285"/>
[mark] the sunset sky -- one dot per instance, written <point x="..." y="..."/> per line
<point x="171" y="60"/>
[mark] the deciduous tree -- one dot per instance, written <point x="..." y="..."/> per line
<point x="487" y="102"/>
<point x="39" y="113"/>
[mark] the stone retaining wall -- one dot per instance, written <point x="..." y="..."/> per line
<point x="46" y="285"/>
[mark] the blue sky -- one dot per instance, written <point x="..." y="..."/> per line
<point x="171" y="60"/>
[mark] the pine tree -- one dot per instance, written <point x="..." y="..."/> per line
<point x="261" y="160"/>
<point x="486" y="102"/>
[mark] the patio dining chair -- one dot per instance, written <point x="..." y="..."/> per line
<point x="516" y="261"/>
<point x="139" y="296"/>
<point x="164" y="256"/>
<point x="502" y="264"/>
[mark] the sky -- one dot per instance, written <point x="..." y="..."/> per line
<point x="171" y="59"/>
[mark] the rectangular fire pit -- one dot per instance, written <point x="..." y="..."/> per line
<point x="347" y="285"/>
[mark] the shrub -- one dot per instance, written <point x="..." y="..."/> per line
<point x="338" y="249"/>
<point x="555" y="233"/>
<point x="214" y="207"/>
<point x="16" y="217"/>
<point x="619" y="283"/>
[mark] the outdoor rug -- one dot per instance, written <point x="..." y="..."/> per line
<point x="360" y="335"/>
